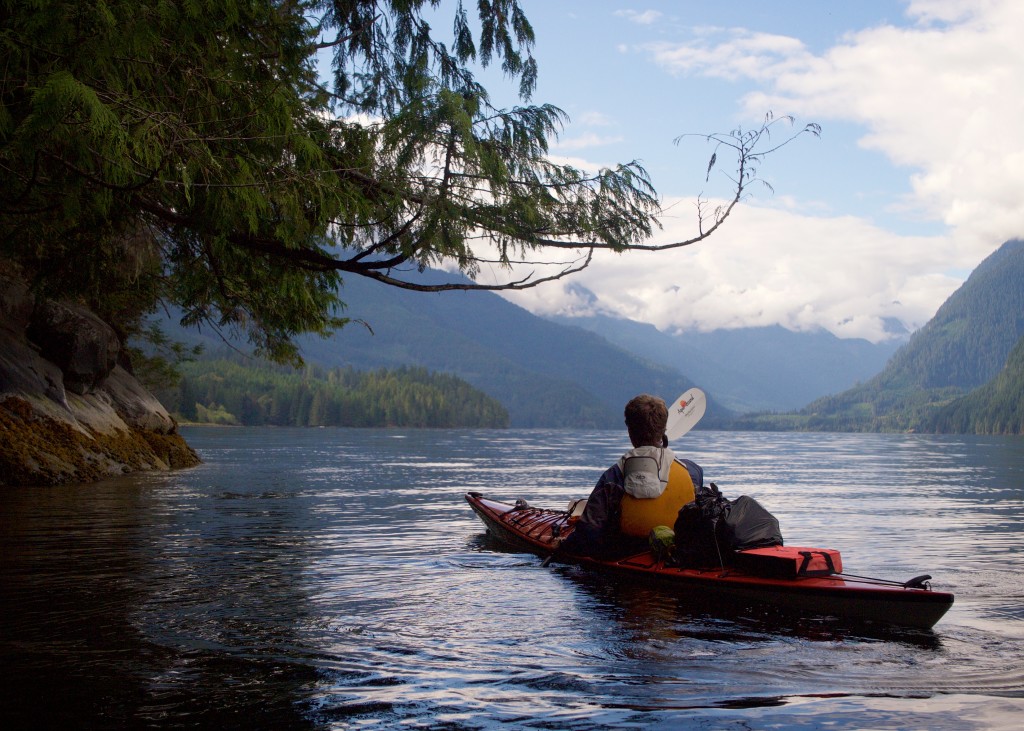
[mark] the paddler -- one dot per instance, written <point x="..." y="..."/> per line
<point x="644" y="489"/>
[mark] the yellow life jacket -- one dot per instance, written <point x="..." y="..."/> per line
<point x="640" y="515"/>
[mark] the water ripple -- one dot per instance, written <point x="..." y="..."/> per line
<point x="336" y="578"/>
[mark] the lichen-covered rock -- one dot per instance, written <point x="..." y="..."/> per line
<point x="82" y="417"/>
<point x="38" y="449"/>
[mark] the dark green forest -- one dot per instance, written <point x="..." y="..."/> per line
<point x="223" y="391"/>
<point x="995" y="408"/>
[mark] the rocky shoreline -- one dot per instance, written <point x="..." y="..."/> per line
<point x="70" y="409"/>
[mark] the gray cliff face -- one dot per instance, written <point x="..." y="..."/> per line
<point x="83" y="346"/>
<point x="68" y="411"/>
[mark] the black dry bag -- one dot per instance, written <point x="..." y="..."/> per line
<point x="698" y="528"/>
<point x="749" y="525"/>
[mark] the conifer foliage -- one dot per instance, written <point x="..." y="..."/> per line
<point x="226" y="391"/>
<point x="190" y="151"/>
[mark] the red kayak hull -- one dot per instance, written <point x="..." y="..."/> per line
<point x="534" y="529"/>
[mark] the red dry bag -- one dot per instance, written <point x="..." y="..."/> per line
<point x="789" y="562"/>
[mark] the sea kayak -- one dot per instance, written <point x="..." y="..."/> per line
<point x="910" y="604"/>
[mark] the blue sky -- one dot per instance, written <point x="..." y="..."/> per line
<point x="918" y="174"/>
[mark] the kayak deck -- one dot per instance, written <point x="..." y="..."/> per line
<point x="537" y="530"/>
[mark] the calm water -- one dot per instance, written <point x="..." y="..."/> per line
<point x="336" y="579"/>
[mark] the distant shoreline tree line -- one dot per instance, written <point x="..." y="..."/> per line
<point x="261" y="394"/>
<point x="997" y="408"/>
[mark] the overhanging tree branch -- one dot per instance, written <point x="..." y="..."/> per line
<point x="263" y="188"/>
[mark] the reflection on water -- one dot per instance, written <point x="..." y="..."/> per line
<point x="335" y="578"/>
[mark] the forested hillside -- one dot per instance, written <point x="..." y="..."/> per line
<point x="255" y="394"/>
<point x="995" y="408"/>
<point x="967" y="342"/>
<point x="545" y="374"/>
<point x="965" y="346"/>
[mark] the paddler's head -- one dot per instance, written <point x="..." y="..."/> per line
<point x="646" y="418"/>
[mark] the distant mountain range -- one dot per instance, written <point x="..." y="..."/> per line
<point x="545" y="374"/>
<point x="579" y="373"/>
<point x="963" y="371"/>
<point x="753" y="369"/>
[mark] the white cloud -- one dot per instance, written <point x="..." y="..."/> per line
<point x="584" y="141"/>
<point x="741" y="54"/>
<point x="644" y="17"/>
<point x="941" y="98"/>
<point x="594" y="119"/>
<point x="579" y="163"/>
<point x="768" y="266"/>
<point x="944" y="10"/>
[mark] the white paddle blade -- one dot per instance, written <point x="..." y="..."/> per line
<point x="685" y="412"/>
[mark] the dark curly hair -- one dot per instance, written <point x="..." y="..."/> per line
<point x="646" y="418"/>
